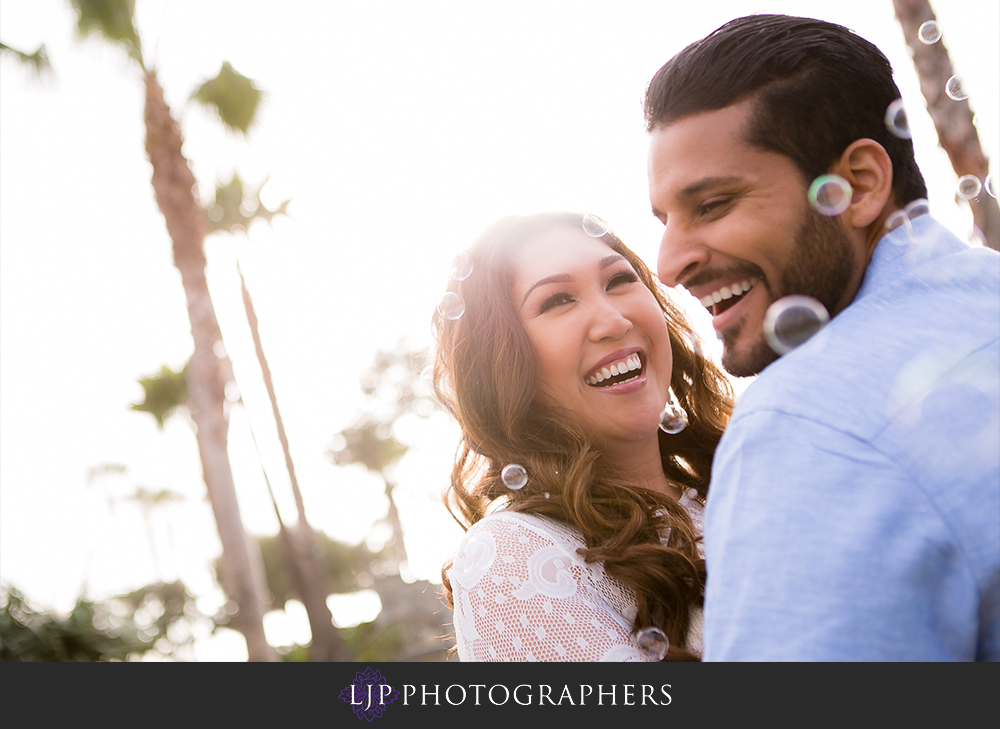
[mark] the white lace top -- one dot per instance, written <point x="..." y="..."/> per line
<point x="522" y="593"/>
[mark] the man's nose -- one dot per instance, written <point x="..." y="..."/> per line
<point x="681" y="254"/>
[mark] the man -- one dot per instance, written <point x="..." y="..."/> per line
<point x="854" y="511"/>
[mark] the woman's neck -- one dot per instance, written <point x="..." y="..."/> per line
<point x="640" y="463"/>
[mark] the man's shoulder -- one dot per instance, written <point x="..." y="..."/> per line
<point x="924" y="319"/>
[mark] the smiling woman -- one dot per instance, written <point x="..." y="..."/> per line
<point x="558" y="372"/>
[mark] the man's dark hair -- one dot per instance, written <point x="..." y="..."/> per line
<point x="818" y="88"/>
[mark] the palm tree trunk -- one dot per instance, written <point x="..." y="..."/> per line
<point x="301" y="545"/>
<point x="173" y="183"/>
<point x="395" y="523"/>
<point x="952" y="119"/>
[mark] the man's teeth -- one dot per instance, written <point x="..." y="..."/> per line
<point x="728" y="292"/>
<point x="629" y="364"/>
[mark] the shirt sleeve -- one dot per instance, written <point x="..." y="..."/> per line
<point x="521" y="594"/>
<point x="820" y="548"/>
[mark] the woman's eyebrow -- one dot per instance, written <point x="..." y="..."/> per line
<point x="565" y="277"/>
<point x="556" y="278"/>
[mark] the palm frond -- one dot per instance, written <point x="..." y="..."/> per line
<point x="235" y="207"/>
<point x="233" y="96"/>
<point x="37" y="61"/>
<point x="164" y="393"/>
<point x="114" y="20"/>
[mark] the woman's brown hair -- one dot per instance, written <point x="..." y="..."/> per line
<point x="484" y="374"/>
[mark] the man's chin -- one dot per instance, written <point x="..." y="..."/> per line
<point x="747" y="360"/>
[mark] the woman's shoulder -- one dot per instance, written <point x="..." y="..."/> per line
<point x="519" y="525"/>
<point x="509" y="540"/>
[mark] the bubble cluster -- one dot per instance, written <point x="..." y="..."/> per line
<point x="594" y="226"/>
<point x="990" y="183"/>
<point x="790" y="321"/>
<point x="653" y="643"/>
<point x="929" y="32"/>
<point x="955" y="89"/>
<point x="896" y="121"/>
<point x="830" y="194"/>
<point x="674" y="418"/>
<point x="461" y="267"/>
<point x="969" y="187"/>
<point x="514" y="476"/>
<point x="451" y="306"/>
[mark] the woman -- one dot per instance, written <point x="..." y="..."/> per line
<point x="557" y="355"/>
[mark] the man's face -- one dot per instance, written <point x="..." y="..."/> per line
<point x="739" y="233"/>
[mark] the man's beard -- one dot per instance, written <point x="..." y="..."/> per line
<point x="823" y="267"/>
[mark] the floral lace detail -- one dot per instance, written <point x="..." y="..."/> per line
<point x="522" y="593"/>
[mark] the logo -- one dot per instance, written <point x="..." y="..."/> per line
<point x="369" y="694"/>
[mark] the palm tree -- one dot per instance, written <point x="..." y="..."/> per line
<point x="394" y="388"/>
<point x="231" y="213"/>
<point x="952" y="116"/>
<point x="207" y="374"/>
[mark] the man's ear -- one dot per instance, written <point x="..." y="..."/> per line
<point x="866" y="166"/>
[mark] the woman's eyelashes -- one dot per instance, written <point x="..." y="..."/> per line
<point x="622" y="277"/>
<point x="554" y="300"/>
<point x="559" y="298"/>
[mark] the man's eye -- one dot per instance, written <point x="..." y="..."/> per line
<point x="713" y="205"/>
<point x="555" y="300"/>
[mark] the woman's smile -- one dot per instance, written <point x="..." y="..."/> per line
<point x="600" y="335"/>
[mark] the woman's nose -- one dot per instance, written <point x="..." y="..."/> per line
<point x="608" y="322"/>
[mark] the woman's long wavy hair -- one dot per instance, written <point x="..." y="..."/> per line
<point x="485" y="374"/>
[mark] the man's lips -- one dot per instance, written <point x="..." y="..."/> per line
<point x="722" y="294"/>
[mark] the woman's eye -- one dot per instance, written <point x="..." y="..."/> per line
<point x="622" y="277"/>
<point x="555" y="300"/>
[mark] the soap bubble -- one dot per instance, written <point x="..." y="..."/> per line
<point x="594" y="226"/>
<point x="674" y="418"/>
<point x="969" y="187"/>
<point x="830" y="194"/>
<point x="918" y="207"/>
<point x="452" y="306"/>
<point x="955" y="90"/>
<point x="653" y="642"/>
<point x="461" y="267"/>
<point x="929" y="32"/>
<point x="895" y="120"/>
<point x="899" y="219"/>
<point x="990" y="183"/>
<point x="792" y="320"/>
<point x="514" y="476"/>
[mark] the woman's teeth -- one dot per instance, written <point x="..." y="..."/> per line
<point x="620" y="367"/>
<point x="728" y="292"/>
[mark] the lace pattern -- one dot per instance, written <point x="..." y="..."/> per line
<point x="522" y="593"/>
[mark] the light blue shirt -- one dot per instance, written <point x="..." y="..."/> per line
<point x="854" y="509"/>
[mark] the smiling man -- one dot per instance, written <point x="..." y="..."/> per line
<point x="854" y="510"/>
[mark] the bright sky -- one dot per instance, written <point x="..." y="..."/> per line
<point x="399" y="130"/>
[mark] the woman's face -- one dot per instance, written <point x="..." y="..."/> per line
<point x="603" y="346"/>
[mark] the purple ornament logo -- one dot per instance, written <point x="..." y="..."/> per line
<point x="369" y="694"/>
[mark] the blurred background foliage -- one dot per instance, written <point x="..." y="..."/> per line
<point x="156" y="619"/>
